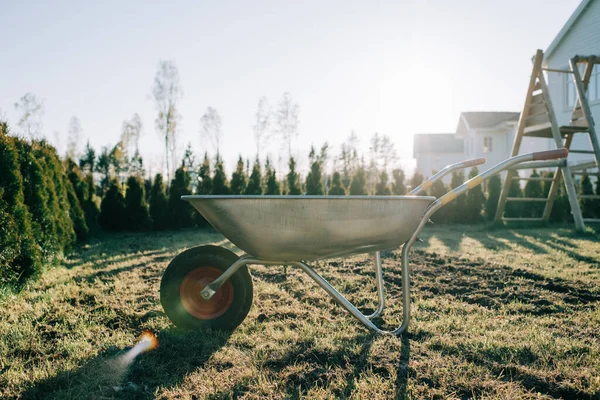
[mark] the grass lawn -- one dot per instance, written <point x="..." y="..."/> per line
<point x="497" y="313"/>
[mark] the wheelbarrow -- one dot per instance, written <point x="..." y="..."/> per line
<point x="210" y="286"/>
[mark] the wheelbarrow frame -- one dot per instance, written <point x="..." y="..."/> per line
<point x="209" y="290"/>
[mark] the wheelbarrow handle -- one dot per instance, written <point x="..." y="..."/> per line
<point x="426" y="184"/>
<point x="476" y="181"/>
<point x="550" y="154"/>
<point x="473" y="162"/>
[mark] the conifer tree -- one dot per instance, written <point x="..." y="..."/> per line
<point x="159" y="207"/>
<point x="337" y="189"/>
<point x="76" y="214"/>
<point x="514" y="209"/>
<point x="293" y="180"/>
<point x="596" y="202"/>
<point x="20" y="255"/>
<point x="204" y="178"/>
<point x="238" y="178"/>
<point x="314" y="181"/>
<point x="219" y="182"/>
<point x="398" y="187"/>
<point x="181" y="213"/>
<point x="112" y="209"/>
<point x="88" y="161"/>
<point x="138" y="215"/>
<point x="35" y="197"/>
<point x="91" y="205"/>
<point x="588" y="208"/>
<point x="254" y="182"/>
<point x="57" y="186"/>
<point x="272" y="183"/>
<point x="416" y="180"/>
<point x="474" y="201"/>
<point x="382" y="188"/>
<point x="533" y="189"/>
<point x="437" y="190"/>
<point x="359" y="182"/>
<point x="561" y="209"/>
<point x="456" y="208"/>
<point x="494" y="187"/>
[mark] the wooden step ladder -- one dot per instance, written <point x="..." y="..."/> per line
<point x="538" y="119"/>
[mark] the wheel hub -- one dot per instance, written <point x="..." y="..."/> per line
<point x="193" y="302"/>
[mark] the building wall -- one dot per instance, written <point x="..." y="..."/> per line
<point x="582" y="39"/>
<point x="430" y="163"/>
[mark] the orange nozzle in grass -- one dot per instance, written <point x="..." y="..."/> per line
<point x="146" y="342"/>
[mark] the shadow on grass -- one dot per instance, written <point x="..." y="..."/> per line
<point x="509" y="365"/>
<point x="105" y="376"/>
<point x="126" y="246"/>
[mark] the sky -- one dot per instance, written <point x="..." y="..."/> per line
<point x="393" y="67"/>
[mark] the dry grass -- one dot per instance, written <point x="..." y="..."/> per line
<point x="497" y="314"/>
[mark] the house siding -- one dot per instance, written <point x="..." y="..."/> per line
<point x="430" y="163"/>
<point x="582" y="39"/>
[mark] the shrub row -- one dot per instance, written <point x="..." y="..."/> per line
<point x="40" y="213"/>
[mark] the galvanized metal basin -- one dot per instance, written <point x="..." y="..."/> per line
<point x="296" y="228"/>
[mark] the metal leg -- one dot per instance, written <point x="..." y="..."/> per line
<point x="210" y="289"/>
<point x="380" y="288"/>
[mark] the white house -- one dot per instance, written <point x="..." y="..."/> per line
<point x="490" y="134"/>
<point x="479" y="134"/>
<point x="579" y="36"/>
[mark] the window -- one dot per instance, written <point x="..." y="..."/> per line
<point x="487" y="144"/>
<point x="593" y="91"/>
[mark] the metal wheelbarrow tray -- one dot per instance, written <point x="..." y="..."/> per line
<point x="208" y="286"/>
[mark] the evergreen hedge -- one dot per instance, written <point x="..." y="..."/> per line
<point x="136" y="208"/>
<point x="112" y="209"/>
<point x="159" y="205"/>
<point x="20" y="255"/>
<point x="238" y="178"/>
<point x="337" y="188"/>
<point x="293" y="180"/>
<point x="474" y="201"/>
<point x="181" y="213"/>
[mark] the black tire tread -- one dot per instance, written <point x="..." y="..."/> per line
<point x="186" y="261"/>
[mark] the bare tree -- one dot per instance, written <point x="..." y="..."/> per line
<point x="167" y="91"/>
<point x="75" y="132"/>
<point x="211" y="128"/>
<point x="387" y="152"/>
<point x="33" y="111"/>
<point x="286" y="117"/>
<point x="131" y="132"/>
<point x="349" y="157"/>
<point x="263" y="122"/>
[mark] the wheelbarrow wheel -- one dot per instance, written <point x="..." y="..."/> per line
<point x="186" y="276"/>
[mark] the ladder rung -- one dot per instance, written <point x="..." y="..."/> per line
<point x="526" y="199"/>
<point x="522" y="219"/>
<point x="590" y="196"/>
<point x="533" y="178"/>
<point x="562" y="71"/>
<point x="581" y="151"/>
<point x="582" y="165"/>
<point x="565" y="129"/>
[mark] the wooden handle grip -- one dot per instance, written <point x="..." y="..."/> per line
<point x="550" y="154"/>
<point x="473" y="162"/>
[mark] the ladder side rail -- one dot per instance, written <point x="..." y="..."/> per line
<point x="535" y="72"/>
<point x="567" y="176"/>
<point x="585" y="107"/>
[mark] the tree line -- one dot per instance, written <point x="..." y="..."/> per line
<point x="48" y="203"/>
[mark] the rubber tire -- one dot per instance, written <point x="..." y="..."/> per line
<point x="186" y="262"/>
